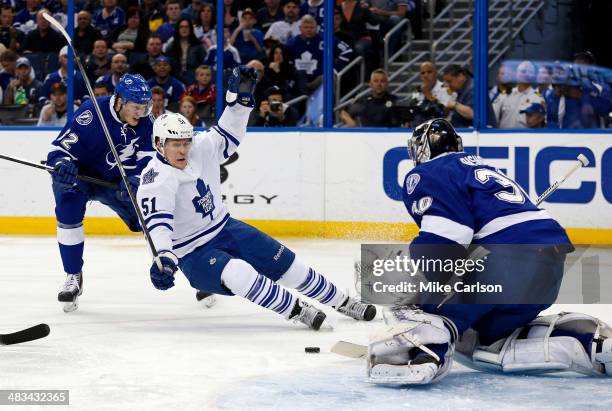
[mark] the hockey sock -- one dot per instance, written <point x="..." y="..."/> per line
<point x="242" y="279"/>
<point x="71" y="239"/>
<point x="312" y="284"/>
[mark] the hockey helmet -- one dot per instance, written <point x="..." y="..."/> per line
<point x="134" y="88"/>
<point x="173" y="126"/>
<point x="432" y="138"/>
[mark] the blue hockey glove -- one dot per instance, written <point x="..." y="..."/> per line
<point x="134" y="182"/>
<point x="241" y="86"/>
<point x="65" y="173"/>
<point x="164" y="279"/>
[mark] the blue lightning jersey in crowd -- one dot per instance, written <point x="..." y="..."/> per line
<point x="82" y="140"/>
<point x="456" y="198"/>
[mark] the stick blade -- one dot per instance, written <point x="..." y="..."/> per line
<point x="29" y="334"/>
<point x="351" y="350"/>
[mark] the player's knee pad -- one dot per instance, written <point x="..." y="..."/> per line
<point x="238" y="276"/>
<point x="295" y="275"/>
<point x="533" y="349"/>
<point x="393" y="351"/>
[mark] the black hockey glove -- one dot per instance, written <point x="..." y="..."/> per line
<point x="164" y="279"/>
<point x="241" y="86"/>
<point x="65" y="173"/>
<point x="134" y="182"/>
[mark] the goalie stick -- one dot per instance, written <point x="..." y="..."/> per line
<point x="582" y="162"/>
<point x="50" y="169"/>
<point x="29" y="334"/>
<point x="59" y="28"/>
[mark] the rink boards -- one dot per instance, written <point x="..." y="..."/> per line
<point x="340" y="184"/>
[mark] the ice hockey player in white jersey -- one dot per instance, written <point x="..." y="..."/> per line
<point x="180" y="197"/>
<point x="457" y="200"/>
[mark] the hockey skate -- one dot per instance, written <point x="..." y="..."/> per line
<point x="207" y="299"/>
<point x="70" y="292"/>
<point x="307" y="314"/>
<point x="357" y="310"/>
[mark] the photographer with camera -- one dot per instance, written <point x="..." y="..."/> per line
<point x="273" y="112"/>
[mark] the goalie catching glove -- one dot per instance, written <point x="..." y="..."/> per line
<point x="164" y="278"/>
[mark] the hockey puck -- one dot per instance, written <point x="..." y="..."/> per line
<point x="312" y="350"/>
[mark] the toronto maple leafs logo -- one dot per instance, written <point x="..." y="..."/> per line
<point x="149" y="176"/>
<point x="205" y="202"/>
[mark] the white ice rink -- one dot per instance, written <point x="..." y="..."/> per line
<point x="132" y="347"/>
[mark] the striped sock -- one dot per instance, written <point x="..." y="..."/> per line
<point x="320" y="288"/>
<point x="268" y="294"/>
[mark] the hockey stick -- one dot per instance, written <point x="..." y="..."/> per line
<point x="92" y="96"/>
<point x="50" y="169"/>
<point x="29" y="334"/>
<point x="349" y="349"/>
<point x="582" y="162"/>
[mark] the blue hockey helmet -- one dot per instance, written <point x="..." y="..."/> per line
<point x="432" y="138"/>
<point x="134" y="88"/>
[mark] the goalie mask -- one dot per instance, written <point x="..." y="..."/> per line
<point x="170" y="126"/>
<point x="431" y="139"/>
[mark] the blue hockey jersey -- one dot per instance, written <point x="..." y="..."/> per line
<point x="83" y="140"/>
<point x="456" y="198"/>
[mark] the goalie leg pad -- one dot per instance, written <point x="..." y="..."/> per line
<point x="534" y="350"/>
<point x="402" y="353"/>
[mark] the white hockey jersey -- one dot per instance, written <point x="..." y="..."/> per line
<point x="183" y="209"/>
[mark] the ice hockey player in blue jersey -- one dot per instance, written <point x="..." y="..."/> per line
<point x="181" y="200"/>
<point x="458" y="201"/>
<point x="82" y="148"/>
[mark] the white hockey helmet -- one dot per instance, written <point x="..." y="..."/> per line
<point x="173" y="126"/>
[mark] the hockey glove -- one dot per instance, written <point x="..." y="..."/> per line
<point x="65" y="174"/>
<point x="164" y="279"/>
<point x="241" y="86"/>
<point x="134" y="182"/>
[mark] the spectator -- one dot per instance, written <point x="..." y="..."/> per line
<point x="173" y="14"/>
<point x="290" y="26"/>
<point x="273" y="112"/>
<point x="231" y="57"/>
<point x="26" y="19"/>
<point x="101" y="90"/>
<point x="187" y="107"/>
<point x="204" y="92"/>
<point x="388" y="13"/>
<point x="109" y="19"/>
<point x="61" y="76"/>
<point x="315" y="8"/>
<point x="521" y="97"/>
<point x="43" y="39"/>
<point x="23" y="89"/>
<point x="53" y="114"/>
<point x="247" y="39"/>
<point x="375" y="109"/>
<point x="8" y="61"/>
<point x="153" y="15"/>
<point x="11" y="37"/>
<point x="98" y="63"/>
<point x="154" y="50"/>
<point x="119" y="66"/>
<point x="307" y="54"/>
<point x="535" y="116"/>
<point x="281" y="73"/>
<point x="185" y="48"/>
<point x="357" y="22"/>
<point x="270" y="13"/>
<point x="172" y="87"/>
<point x="459" y="80"/>
<point x="85" y="34"/>
<point x="230" y="20"/>
<point x="431" y="88"/>
<point x="503" y="88"/>
<point x="260" y="84"/>
<point x="158" y="101"/>
<point x="544" y="81"/>
<point x="192" y="10"/>
<point x="134" y="36"/>
<point x="204" y="26"/>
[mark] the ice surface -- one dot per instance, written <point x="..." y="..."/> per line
<point x="130" y="346"/>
